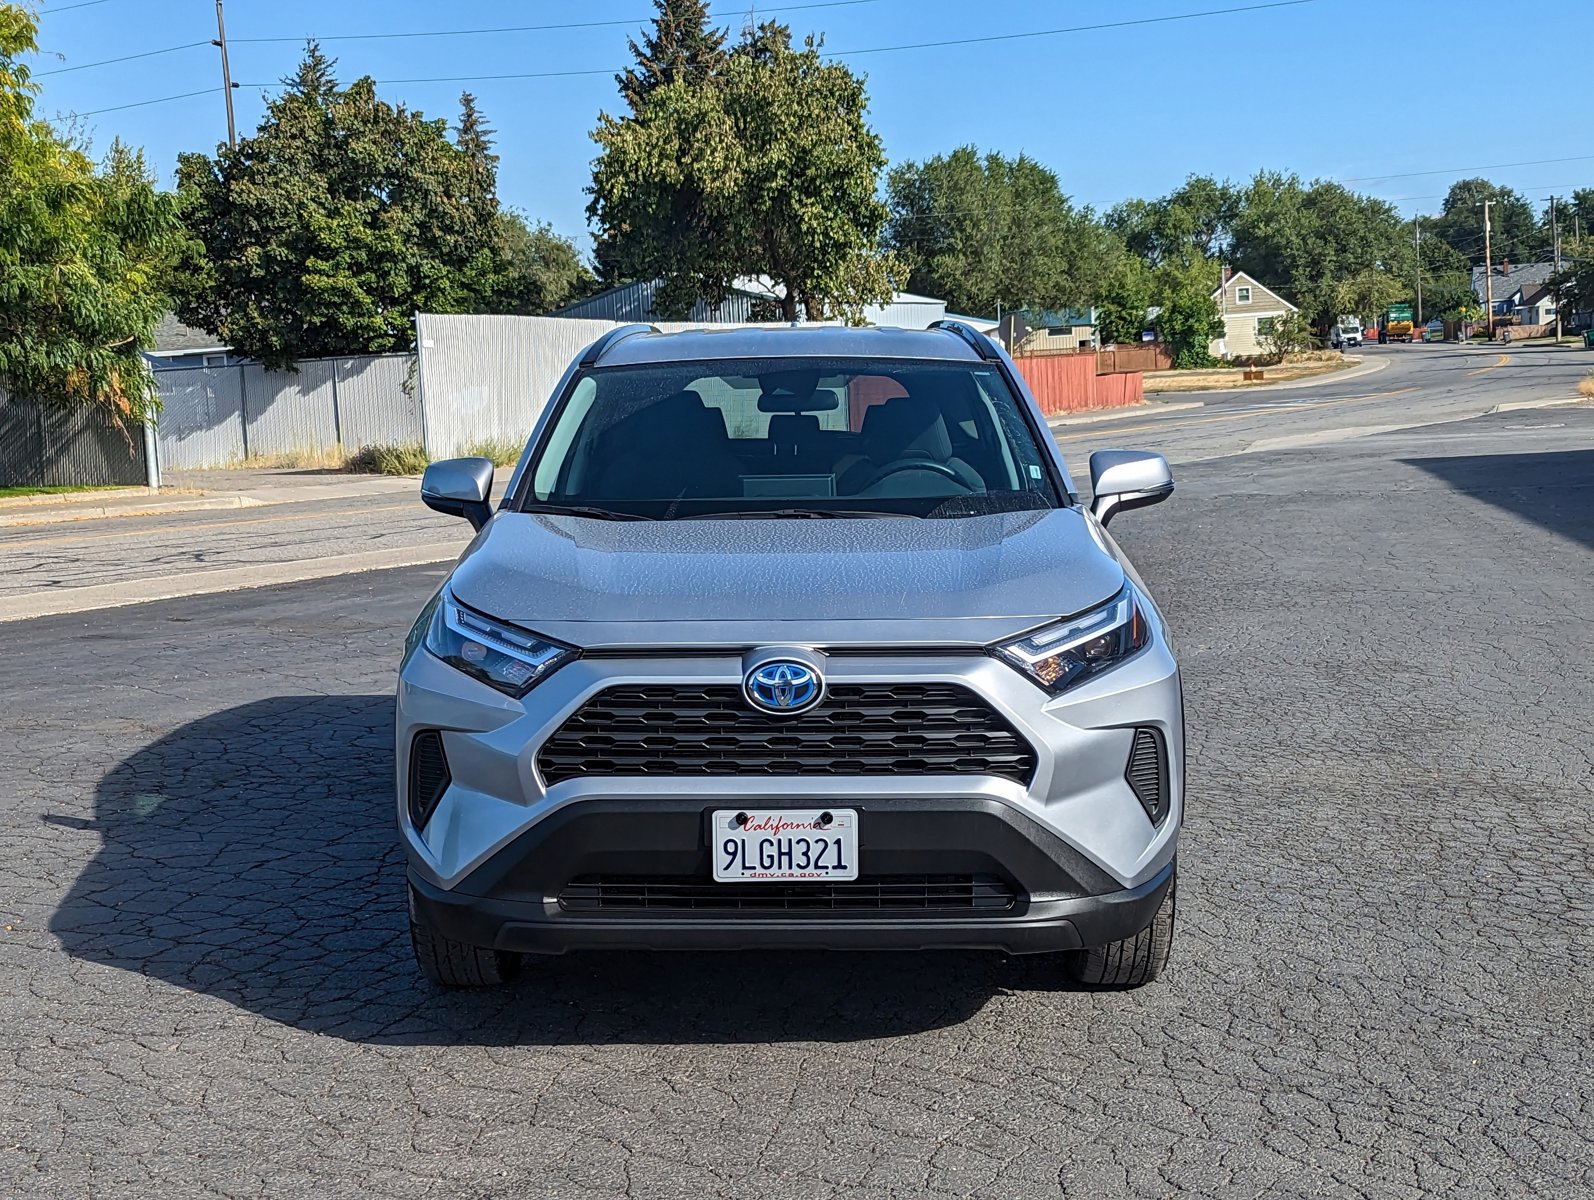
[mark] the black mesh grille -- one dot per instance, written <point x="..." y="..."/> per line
<point x="429" y="776"/>
<point x="859" y="729"/>
<point x="914" y="893"/>
<point x="1147" y="773"/>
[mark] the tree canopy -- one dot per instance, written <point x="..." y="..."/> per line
<point x="767" y="168"/>
<point x="81" y="250"/>
<point x="341" y="217"/>
<point x="1515" y="234"/>
<point x="681" y="46"/>
<point x="988" y="232"/>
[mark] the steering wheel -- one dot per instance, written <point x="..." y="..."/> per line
<point x="916" y="464"/>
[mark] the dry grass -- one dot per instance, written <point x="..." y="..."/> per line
<point x="406" y="459"/>
<point x="1224" y="378"/>
<point x="502" y="451"/>
<point x="323" y="458"/>
<point x="1586" y="387"/>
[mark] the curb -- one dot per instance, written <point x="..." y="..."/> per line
<point x="1128" y="410"/>
<point x="62" y="601"/>
<point x="1525" y="405"/>
<point x="86" y="512"/>
<point x="89" y="497"/>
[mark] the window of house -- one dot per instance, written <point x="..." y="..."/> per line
<point x="213" y="360"/>
<point x="1264" y="326"/>
<point x="1242" y="295"/>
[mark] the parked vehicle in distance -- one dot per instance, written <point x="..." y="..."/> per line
<point x="1347" y="333"/>
<point x="1434" y="331"/>
<point x="1398" y="324"/>
<point x="790" y="638"/>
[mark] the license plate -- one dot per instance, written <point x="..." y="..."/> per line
<point x="785" y="845"/>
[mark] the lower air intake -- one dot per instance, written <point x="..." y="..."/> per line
<point x="885" y="893"/>
<point x="1147" y="773"/>
<point x="429" y="777"/>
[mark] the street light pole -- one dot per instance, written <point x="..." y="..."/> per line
<point x="220" y="40"/>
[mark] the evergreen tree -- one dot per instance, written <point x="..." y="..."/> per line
<point x="682" y="46"/>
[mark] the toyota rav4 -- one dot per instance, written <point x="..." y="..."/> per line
<point x="791" y="638"/>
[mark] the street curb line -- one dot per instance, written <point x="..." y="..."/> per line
<point x="1524" y="405"/>
<point x="88" y="497"/>
<point x="61" y="601"/>
<point x="1128" y="410"/>
<point x="88" y="513"/>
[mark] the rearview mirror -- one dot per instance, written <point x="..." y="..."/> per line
<point x="460" y="487"/>
<point x="1125" y="479"/>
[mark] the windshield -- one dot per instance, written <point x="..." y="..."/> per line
<point x="785" y="437"/>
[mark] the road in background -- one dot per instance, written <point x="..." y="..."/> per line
<point x="1380" y="986"/>
<point x="82" y="565"/>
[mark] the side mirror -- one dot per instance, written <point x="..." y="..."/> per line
<point x="460" y="487"/>
<point x="1125" y="479"/>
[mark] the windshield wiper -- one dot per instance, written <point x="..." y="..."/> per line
<point x="762" y="514"/>
<point x="583" y="510"/>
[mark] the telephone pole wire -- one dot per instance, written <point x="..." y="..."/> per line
<point x="227" y="85"/>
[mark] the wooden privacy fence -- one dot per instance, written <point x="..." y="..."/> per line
<point x="1147" y="356"/>
<point x="1064" y="383"/>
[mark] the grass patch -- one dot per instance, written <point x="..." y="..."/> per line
<point x="406" y="459"/>
<point x="504" y="452"/>
<point x="7" y="493"/>
<point x="312" y="458"/>
<point x="1586" y="387"/>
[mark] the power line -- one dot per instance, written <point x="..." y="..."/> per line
<point x="94" y="112"/>
<point x="105" y="62"/>
<point x="1035" y="33"/>
<point x="1536" y="162"/>
<point x="70" y="7"/>
<point x="434" y="33"/>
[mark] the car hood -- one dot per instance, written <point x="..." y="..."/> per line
<point x="964" y="581"/>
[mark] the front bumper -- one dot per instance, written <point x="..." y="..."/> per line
<point x="1059" y="899"/>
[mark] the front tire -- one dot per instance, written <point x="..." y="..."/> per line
<point x="452" y="964"/>
<point x="1134" y="961"/>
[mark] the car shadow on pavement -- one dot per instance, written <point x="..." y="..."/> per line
<point x="1551" y="489"/>
<point x="250" y="855"/>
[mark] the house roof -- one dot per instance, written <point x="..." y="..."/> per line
<point x="172" y="337"/>
<point x="1523" y="277"/>
<point x="1239" y="275"/>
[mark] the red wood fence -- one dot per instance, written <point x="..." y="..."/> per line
<point x="1065" y="383"/>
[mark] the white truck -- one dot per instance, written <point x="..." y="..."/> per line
<point x="1347" y="332"/>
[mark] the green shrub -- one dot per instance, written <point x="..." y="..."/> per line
<point x="407" y="459"/>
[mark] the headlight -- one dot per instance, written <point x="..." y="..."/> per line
<point x="1070" y="652"/>
<point x="500" y="655"/>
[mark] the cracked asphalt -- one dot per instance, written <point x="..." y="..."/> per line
<point x="1381" y="985"/>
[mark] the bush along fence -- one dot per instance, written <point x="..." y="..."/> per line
<point x="68" y="445"/>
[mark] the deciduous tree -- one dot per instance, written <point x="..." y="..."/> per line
<point x="1514" y="231"/>
<point x="770" y="171"/>
<point x="80" y="254"/>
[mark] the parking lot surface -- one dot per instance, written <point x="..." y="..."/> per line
<point x="1381" y="984"/>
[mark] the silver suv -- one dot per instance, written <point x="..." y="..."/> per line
<point x="791" y="638"/>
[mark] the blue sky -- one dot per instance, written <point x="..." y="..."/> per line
<point x="1326" y="88"/>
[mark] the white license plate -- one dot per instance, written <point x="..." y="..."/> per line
<point x="785" y="845"/>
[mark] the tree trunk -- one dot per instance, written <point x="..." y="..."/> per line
<point x="788" y="304"/>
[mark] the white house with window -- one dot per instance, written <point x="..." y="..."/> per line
<point x="1249" y="310"/>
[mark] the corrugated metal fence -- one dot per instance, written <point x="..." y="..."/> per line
<point x="59" y="445"/>
<point x="213" y="416"/>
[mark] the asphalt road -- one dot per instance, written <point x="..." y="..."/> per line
<point x="1381" y="986"/>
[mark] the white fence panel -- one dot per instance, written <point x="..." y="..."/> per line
<point x="290" y="411"/>
<point x="201" y="417"/>
<point x="374" y="407"/>
<point x="491" y="376"/>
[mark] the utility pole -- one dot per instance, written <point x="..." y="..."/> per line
<point x="1555" y="234"/>
<point x="1488" y="274"/>
<point x="1417" y="221"/>
<point x="227" y="85"/>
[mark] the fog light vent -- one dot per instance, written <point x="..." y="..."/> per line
<point x="1147" y="773"/>
<point x="429" y="776"/>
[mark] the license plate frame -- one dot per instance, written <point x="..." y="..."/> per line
<point x="766" y="845"/>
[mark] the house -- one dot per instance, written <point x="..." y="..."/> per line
<point x="179" y="345"/>
<point x="750" y="298"/>
<point x="1248" y="310"/>
<point x="1059" y="329"/>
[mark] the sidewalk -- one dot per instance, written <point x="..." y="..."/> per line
<point x="199" y="491"/>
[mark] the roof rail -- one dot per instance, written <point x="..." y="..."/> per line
<point x="980" y="343"/>
<point x="599" y="348"/>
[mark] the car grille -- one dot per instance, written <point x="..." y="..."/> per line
<point x="859" y="729"/>
<point x="892" y="893"/>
